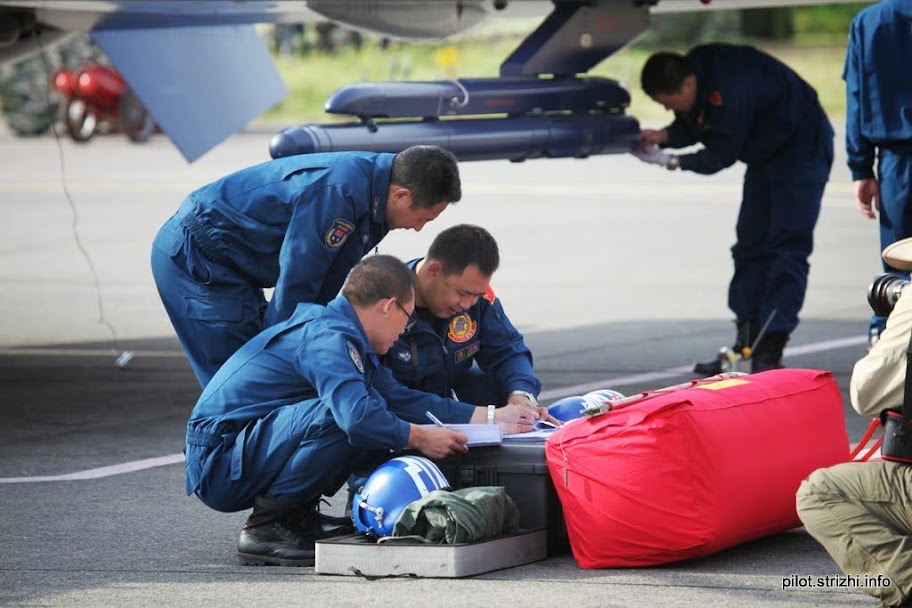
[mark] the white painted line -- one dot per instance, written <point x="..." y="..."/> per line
<point x="579" y="389"/>
<point x="576" y="389"/>
<point x="687" y="370"/>
<point x="82" y="352"/>
<point x="117" y="469"/>
<point x="817" y="347"/>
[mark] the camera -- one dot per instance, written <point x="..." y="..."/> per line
<point x="884" y="292"/>
<point x="897" y="436"/>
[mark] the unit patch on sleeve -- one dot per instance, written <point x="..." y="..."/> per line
<point x="465" y="353"/>
<point x="355" y="357"/>
<point x="338" y="233"/>
<point x="462" y="328"/>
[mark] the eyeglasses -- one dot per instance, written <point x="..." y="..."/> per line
<point x="411" y="320"/>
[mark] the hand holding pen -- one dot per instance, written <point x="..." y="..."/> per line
<point x="436" y="442"/>
<point x="436" y="421"/>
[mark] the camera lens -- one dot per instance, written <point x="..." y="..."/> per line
<point x="884" y="292"/>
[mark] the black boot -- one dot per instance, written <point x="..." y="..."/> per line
<point x="359" y="477"/>
<point x="768" y="353"/>
<point x="348" y="503"/>
<point x="341" y="525"/>
<point x="742" y="339"/>
<point x="283" y="534"/>
<point x="330" y="525"/>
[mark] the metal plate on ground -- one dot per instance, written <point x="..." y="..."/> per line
<point x="358" y="555"/>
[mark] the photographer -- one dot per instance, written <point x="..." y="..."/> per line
<point x="861" y="512"/>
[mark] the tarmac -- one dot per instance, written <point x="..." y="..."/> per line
<point x="615" y="271"/>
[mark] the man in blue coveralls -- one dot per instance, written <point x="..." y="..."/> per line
<point x="879" y="122"/>
<point x="742" y="104"/>
<point x="298" y="224"/>
<point x="285" y="418"/>
<point x="462" y="340"/>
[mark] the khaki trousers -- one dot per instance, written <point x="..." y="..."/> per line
<point x="862" y="514"/>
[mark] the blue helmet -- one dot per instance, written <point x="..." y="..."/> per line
<point x="602" y="396"/>
<point x="390" y="488"/>
<point x="567" y="408"/>
<point x="570" y="408"/>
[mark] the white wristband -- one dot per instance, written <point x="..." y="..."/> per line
<point x="491" y="414"/>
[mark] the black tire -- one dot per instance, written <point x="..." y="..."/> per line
<point x="28" y="126"/>
<point x="81" y="124"/>
<point x="136" y="121"/>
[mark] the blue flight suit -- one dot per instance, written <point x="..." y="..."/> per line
<point x="878" y="116"/>
<point x="437" y="355"/>
<point x="288" y="415"/>
<point x="298" y="224"/>
<point x="753" y="108"/>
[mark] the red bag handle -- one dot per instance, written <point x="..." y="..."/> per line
<point x="599" y="407"/>
<point x="872" y="428"/>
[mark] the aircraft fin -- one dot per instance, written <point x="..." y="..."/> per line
<point x="199" y="83"/>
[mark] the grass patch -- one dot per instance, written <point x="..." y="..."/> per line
<point x="313" y="78"/>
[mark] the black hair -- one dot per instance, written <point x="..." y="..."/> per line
<point x="430" y="173"/>
<point x="464" y="245"/>
<point x="664" y="73"/>
<point x="377" y="277"/>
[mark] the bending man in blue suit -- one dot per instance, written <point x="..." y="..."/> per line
<point x="742" y="104"/>
<point x="297" y="224"/>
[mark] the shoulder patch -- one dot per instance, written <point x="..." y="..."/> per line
<point x="489" y="295"/>
<point x="355" y="357"/>
<point x="461" y="328"/>
<point x="715" y="98"/>
<point x="338" y="232"/>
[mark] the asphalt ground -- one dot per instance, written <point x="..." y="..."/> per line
<point x="615" y="271"/>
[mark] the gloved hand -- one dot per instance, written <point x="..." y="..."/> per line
<point x="651" y="154"/>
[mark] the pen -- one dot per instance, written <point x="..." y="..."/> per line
<point x="453" y="395"/>
<point x="436" y="421"/>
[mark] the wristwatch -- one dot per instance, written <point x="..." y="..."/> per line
<point x="674" y="162"/>
<point x="527" y="395"/>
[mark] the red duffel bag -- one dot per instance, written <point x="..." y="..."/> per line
<point x="685" y="473"/>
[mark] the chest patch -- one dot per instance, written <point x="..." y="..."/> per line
<point x="338" y="232"/>
<point x="467" y="352"/>
<point x="355" y="357"/>
<point x="715" y="98"/>
<point x="462" y="328"/>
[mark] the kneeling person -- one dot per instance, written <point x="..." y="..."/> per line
<point x="861" y="512"/>
<point x="284" y="419"/>
<point x="462" y="340"/>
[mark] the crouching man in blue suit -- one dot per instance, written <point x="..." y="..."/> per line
<point x="283" y="421"/>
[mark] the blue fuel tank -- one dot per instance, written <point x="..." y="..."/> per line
<point x="514" y="138"/>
